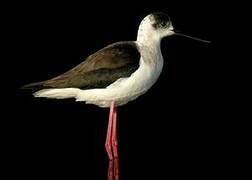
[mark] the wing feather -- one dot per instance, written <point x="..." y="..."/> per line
<point x="100" y="69"/>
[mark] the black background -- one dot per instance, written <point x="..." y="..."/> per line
<point x="171" y="132"/>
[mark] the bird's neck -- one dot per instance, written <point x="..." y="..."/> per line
<point x="150" y="47"/>
<point x="148" y="38"/>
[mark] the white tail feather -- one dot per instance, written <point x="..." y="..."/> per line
<point x="57" y="93"/>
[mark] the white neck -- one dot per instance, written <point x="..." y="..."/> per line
<point x="149" y="44"/>
<point x="148" y="38"/>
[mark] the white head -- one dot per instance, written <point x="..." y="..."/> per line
<point x="155" y="26"/>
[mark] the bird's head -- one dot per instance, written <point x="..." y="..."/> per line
<point x="156" y="26"/>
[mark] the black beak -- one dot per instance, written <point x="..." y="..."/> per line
<point x="194" y="38"/>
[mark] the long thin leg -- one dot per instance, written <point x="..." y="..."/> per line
<point x="116" y="168"/>
<point x="115" y="145"/>
<point x="114" y="134"/>
<point x="108" y="144"/>
<point x="110" y="170"/>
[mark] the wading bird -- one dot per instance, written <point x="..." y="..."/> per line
<point x="113" y="76"/>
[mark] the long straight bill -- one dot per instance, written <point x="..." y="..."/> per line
<point x="194" y="38"/>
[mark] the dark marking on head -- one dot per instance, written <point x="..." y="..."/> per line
<point x="161" y="20"/>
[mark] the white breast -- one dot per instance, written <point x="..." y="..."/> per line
<point x="125" y="89"/>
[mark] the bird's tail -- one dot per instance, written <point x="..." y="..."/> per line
<point x="63" y="93"/>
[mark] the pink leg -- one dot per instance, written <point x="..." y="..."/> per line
<point x="112" y="143"/>
<point x="108" y="144"/>
<point x="115" y="145"/>
<point x="109" y="131"/>
<point x="110" y="170"/>
<point x="114" y="134"/>
<point x="116" y="169"/>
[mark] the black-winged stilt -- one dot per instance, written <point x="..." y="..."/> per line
<point x="113" y="76"/>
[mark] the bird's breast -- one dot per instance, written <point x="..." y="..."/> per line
<point x="139" y="82"/>
<point x="127" y="89"/>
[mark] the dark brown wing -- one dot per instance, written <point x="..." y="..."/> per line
<point x="99" y="70"/>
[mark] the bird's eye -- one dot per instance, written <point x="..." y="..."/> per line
<point x="163" y="24"/>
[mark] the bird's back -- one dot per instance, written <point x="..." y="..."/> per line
<point x="99" y="70"/>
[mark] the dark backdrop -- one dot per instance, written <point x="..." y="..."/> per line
<point x="171" y="131"/>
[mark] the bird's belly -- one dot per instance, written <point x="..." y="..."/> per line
<point x="125" y="89"/>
